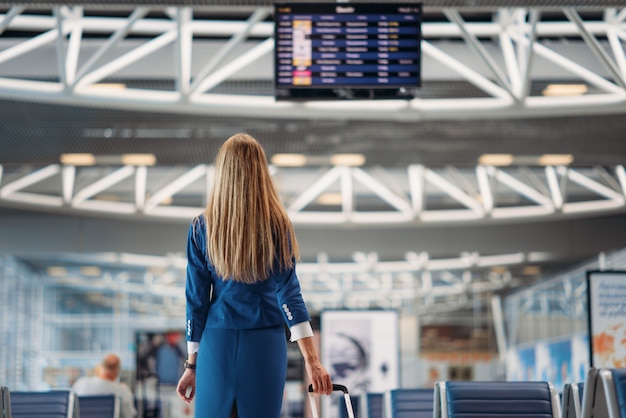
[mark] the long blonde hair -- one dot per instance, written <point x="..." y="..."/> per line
<point x="249" y="234"/>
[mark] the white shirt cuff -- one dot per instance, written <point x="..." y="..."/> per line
<point x="301" y="330"/>
<point x="193" y="347"/>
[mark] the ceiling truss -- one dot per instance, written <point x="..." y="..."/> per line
<point x="330" y="195"/>
<point x="414" y="284"/>
<point x="506" y="51"/>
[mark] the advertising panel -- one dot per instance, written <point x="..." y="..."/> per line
<point x="607" y="318"/>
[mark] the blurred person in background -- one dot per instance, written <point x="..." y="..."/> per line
<point x="105" y="381"/>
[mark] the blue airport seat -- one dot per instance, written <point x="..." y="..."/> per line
<point x="614" y="383"/>
<point x="375" y="405"/>
<point x="5" y="403"/>
<point x="343" y="411"/>
<point x="581" y="391"/>
<point x="499" y="400"/>
<point x="571" y="406"/>
<point x="293" y="409"/>
<point x="594" y="402"/>
<point x="412" y="403"/>
<point x="99" y="406"/>
<point x="52" y="404"/>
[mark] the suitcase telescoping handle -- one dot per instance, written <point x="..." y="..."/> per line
<point x="346" y="397"/>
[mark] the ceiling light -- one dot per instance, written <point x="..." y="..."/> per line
<point x="353" y="160"/>
<point x="495" y="159"/>
<point x="78" y="159"/>
<point x="108" y="86"/>
<point x="331" y="199"/>
<point x="289" y="160"/>
<point x="556" y="159"/>
<point x="139" y="159"/>
<point x="56" y="271"/>
<point x="157" y="270"/>
<point x="107" y="198"/>
<point x="90" y="271"/>
<point x="167" y="201"/>
<point x="531" y="270"/>
<point x="565" y="90"/>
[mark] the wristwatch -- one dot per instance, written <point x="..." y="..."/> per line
<point x="188" y="365"/>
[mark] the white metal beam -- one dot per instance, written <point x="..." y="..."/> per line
<point x="235" y="40"/>
<point x="60" y="43"/>
<point x="73" y="50"/>
<point x="621" y="175"/>
<point x="184" y="50"/>
<point x="357" y="187"/>
<point x="528" y="57"/>
<point x="555" y="188"/>
<point x="595" y="46"/>
<point x="464" y="71"/>
<point x="28" y="46"/>
<point x="453" y="191"/>
<point x="314" y="190"/>
<point x="29" y="179"/>
<point x="416" y="187"/>
<point x="141" y="181"/>
<point x="382" y="191"/>
<point x="175" y="186"/>
<point x="68" y="174"/>
<point x="511" y="26"/>
<point x="484" y="185"/>
<point x="127" y="59"/>
<point x="119" y="33"/>
<point x="232" y="67"/>
<point x="102" y="184"/>
<point x="9" y="16"/>
<point x="472" y="41"/>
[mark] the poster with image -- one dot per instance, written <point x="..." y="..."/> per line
<point x="607" y="318"/>
<point x="361" y="350"/>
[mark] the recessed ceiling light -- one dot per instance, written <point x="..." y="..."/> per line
<point x="167" y="200"/>
<point x="78" y="159"/>
<point x="107" y="198"/>
<point x="288" y="160"/>
<point x="531" y="270"/>
<point x="496" y="159"/>
<point x="108" y="86"/>
<point x="56" y="271"/>
<point x="565" y="90"/>
<point x="90" y="271"/>
<point x="556" y="159"/>
<point x="331" y="199"/>
<point x="353" y="160"/>
<point x="139" y="159"/>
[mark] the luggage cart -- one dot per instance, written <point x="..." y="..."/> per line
<point x="346" y="397"/>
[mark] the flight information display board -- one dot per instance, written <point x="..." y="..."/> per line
<point x="346" y="46"/>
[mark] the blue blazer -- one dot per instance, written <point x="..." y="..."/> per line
<point x="216" y="303"/>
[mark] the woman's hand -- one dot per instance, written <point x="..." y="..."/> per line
<point x="186" y="388"/>
<point x="320" y="378"/>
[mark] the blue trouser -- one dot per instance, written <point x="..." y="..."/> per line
<point x="247" y="367"/>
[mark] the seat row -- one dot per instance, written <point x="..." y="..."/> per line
<point x="57" y="404"/>
<point x="461" y="400"/>
<point x="602" y="395"/>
